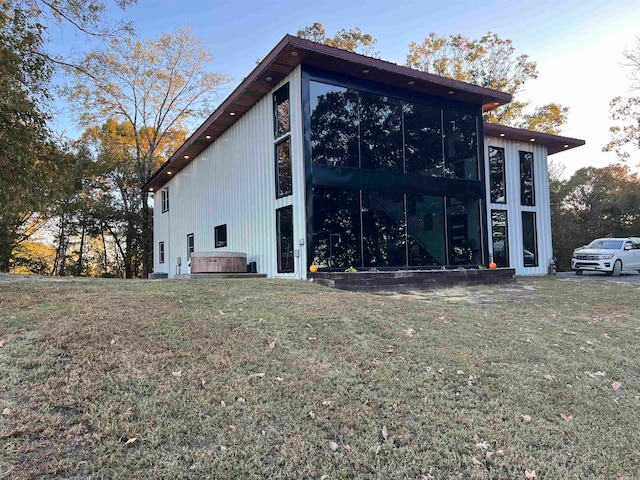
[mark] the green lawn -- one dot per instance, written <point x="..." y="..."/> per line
<point x="288" y="379"/>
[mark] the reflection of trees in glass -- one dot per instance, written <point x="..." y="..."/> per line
<point x="284" y="226"/>
<point x="529" y="239"/>
<point x="460" y="145"/>
<point x="334" y="125"/>
<point x="423" y="140"/>
<point x="336" y="228"/>
<point x="283" y="156"/>
<point x="425" y="231"/>
<point x="497" y="175"/>
<point x="463" y="232"/>
<point x="380" y="133"/>
<point x="500" y="238"/>
<point x="281" y="108"/>
<point x="383" y="229"/>
<point x="527" y="192"/>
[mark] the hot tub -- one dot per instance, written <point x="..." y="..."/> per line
<point x="218" y="262"/>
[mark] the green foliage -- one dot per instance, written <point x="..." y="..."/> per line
<point x="594" y="202"/>
<point x="490" y="62"/>
<point x="352" y="39"/>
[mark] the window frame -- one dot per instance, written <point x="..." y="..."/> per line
<point x="280" y="138"/>
<point x="217" y="230"/>
<point x="160" y="252"/>
<point x="523" y="157"/>
<point x="503" y="179"/>
<point x="506" y="237"/>
<point x="191" y="245"/>
<point x="279" y="240"/>
<point x="165" y="200"/>
<point x="535" y="239"/>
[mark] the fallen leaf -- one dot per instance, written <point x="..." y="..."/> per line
<point x="589" y="342"/>
<point x="223" y="448"/>
<point x="482" y="445"/>
<point x="257" y="375"/>
<point x="221" y="312"/>
<point x="530" y="474"/>
<point x="312" y="339"/>
<point x="1" y="343"/>
<point x="567" y="418"/>
<point x="385" y="433"/>
<point x="470" y="381"/>
<point x="549" y="377"/>
<point x="272" y="344"/>
<point x="606" y="335"/>
<point x="476" y="462"/>
<point x="203" y="382"/>
<point x="526" y="418"/>
<point x="6" y="412"/>
<point x="488" y="455"/>
<point x="326" y="403"/>
<point x="131" y="440"/>
<point x="223" y="403"/>
<point x="600" y="374"/>
<point x="232" y="428"/>
<point x="333" y="446"/>
<point x="177" y="373"/>
<point x="241" y="400"/>
<point x="441" y="371"/>
<point x="279" y="379"/>
<point x="410" y="332"/>
<point x="459" y="372"/>
<point x="616" y="385"/>
<point x="311" y="414"/>
<point x="389" y="349"/>
<point x="113" y="342"/>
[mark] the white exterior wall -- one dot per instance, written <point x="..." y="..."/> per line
<point x="513" y="207"/>
<point x="232" y="182"/>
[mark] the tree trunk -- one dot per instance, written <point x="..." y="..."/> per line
<point x="80" y="254"/>
<point x="147" y="237"/>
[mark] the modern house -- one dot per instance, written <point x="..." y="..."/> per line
<point x="329" y="158"/>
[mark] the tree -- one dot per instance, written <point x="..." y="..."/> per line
<point x="490" y="62"/>
<point x="594" y="202"/>
<point x="154" y="87"/>
<point x="352" y="40"/>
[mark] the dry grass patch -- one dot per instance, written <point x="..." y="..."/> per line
<point x="275" y="379"/>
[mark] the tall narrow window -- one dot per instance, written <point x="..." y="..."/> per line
<point x="284" y="231"/>
<point x="281" y="111"/>
<point x="282" y="134"/>
<point x="165" y="200"/>
<point x="529" y="239"/>
<point x="496" y="174"/>
<point x="190" y="245"/>
<point x="500" y="237"/>
<point x="284" y="184"/>
<point x="527" y="186"/>
<point x="220" y="234"/>
<point x="161" y="252"/>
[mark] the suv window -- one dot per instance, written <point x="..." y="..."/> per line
<point x="606" y="244"/>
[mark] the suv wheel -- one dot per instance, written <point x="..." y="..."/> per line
<point x="617" y="268"/>
<point x="579" y="272"/>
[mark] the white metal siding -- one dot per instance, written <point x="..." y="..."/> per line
<point x="513" y="207"/>
<point x="232" y="182"/>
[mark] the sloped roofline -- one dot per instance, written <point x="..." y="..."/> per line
<point x="554" y="143"/>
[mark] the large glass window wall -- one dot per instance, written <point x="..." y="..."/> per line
<point x="394" y="183"/>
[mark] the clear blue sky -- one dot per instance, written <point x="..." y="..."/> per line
<point x="577" y="44"/>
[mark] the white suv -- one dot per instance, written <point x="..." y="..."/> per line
<point x="609" y="255"/>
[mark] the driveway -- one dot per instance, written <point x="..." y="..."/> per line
<point x="631" y="277"/>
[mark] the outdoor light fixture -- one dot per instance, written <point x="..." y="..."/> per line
<point x="411" y="82"/>
<point x="208" y="137"/>
<point x="151" y="189"/>
<point x="365" y="71"/>
<point x="169" y="173"/>
<point x="232" y="113"/>
<point x="294" y="54"/>
<point x="268" y="79"/>
<point x="502" y="134"/>
<point x="451" y="92"/>
<point x="533" y="139"/>
<point x="566" y="146"/>
<point x="186" y="157"/>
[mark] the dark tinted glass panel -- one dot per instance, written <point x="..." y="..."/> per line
<point x="425" y="231"/>
<point x="161" y="252"/>
<point x="284" y="185"/>
<point x="500" y="237"/>
<point x="463" y="231"/>
<point x="220" y="236"/>
<point x="336" y="228"/>
<point x="496" y="174"/>
<point x="527" y="188"/>
<point x="529" y="239"/>
<point x="284" y="228"/>
<point x="460" y="145"/>
<point x="383" y="229"/>
<point x="380" y="133"/>
<point x="190" y="245"/>
<point x="423" y="140"/>
<point x="334" y="125"/>
<point x="281" y="111"/>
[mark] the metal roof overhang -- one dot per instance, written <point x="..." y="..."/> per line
<point x="554" y="143"/>
<point x="283" y="59"/>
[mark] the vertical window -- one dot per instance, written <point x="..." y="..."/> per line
<point x="161" y="252"/>
<point x="165" y="200"/>
<point x="220" y="233"/>
<point x="527" y="186"/>
<point x="529" y="239"/>
<point x="500" y="237"/>
<point x="497" y="175"/>
<point x="284" y="184"/>
<point x="282" y="134"/>
<point x="284" y="231"/>
<point x="281" y="111"/>
<point x="190" y="245"/>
